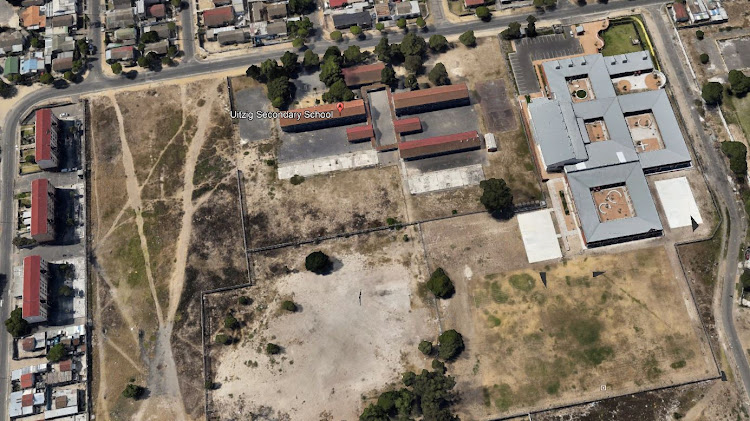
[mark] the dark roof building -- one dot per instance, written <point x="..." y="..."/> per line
<point x="360" y="133"/>
<point x="362" y="75"/>
<point x="439" y="145"/>
<point x="220" y="16"/>
<point x="322" y="116"/>
<point x="61" y="21"/>
<point x="277" y="29"/>
<point x="276" y="10"/>
<point x="407" y="125"/>
<point x="431" y="99"/>
<point x="347" y="20"/>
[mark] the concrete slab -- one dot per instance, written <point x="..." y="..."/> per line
<point x="677" y="200"/>
<point x="539" y="236"/>
<point x="736" y="52"/>
<point x="382" y="118"/>
<point x="328" y="164"/>
<point x="251" y="100"/>
<point x="445" y="179"/>
<point x="318" y="144"/>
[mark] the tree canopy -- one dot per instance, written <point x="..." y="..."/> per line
<point x="411" y="81"/>
<point x="468" y="39"/>
<point x="483" y="13"/>
<point x="438" y="43"/>
<point x="279" y="91"/>
<point x="57" y="353"/>
<point x="428" y="393"/>
<point x="301" y="7"/>
<point x="383" y="50"/>
<point x="438" y="75"/>
<point x="739" y="82"/>
<point x="16" y="325"/>
<point x="355" y="30"/>
<point x="353" y="56"/>
<point x="330" y="72"/>
<point x="712" y="93"/>
<point x="338" y="92"/>
<point x="513" y="31"/>
<point x="337" y="36"/>
<point x="318" y="262"/>
<point x="388" y="76"/>
<point x="413" y="45"/>
<point x="497" y="197"/>
<point x="737" y="154"/>
<point x="450" y="345"/>
<point x="310" y="60"/>
<point x="413" y="63"/>
<point x="440" y="284"/>
<point x="289" y="62"/>
<point x="133" y="391"/>
<point x="46" y="78"/>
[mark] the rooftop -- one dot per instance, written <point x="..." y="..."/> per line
<point x="39" y="206"/>
<point x="43" y="134"/>
<point x="351" y="108"/>
<point x="31" y="286"/>
<point x="431" y="95"/>
<point x="363" y="75"/>
<point x="219" y="16"/>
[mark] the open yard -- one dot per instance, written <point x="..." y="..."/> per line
<point x="355" y="331"/>
<point x="737" y="112"/>
<point x="619" y="37"/>
<point x="578" y="338"/>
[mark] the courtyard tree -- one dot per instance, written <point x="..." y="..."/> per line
<point x="57" y="353"/>
<point x="302" y="7"/>
<point x="353" y="55"/>
<point x="252" y="71"/>
<point x="318" y="262"/>
<point x="440" y="284"/>
<point x="438" y="75"/>
<point x="468" y="39"/>
<point x="483" y="12"/>
<point x="383" y="50"/>
<point x="279" y="91"/>
<point x="413" y="45"/>
<point x="438" y="43"/>
<point x="16" y="325"/>
<point x="712" y="93"/>
<point x="413" y="63"/>
<point x="450" y="345"/>
<point x="497" y="198"/>
<point x="270" y="70"/>
<point x="46" y="78"/>
<point x="333" y="53"/>
<point x="330" y="72"/>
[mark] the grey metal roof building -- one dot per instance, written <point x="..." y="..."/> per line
<point x="644" y="223"/>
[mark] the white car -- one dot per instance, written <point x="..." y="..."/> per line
<point x="63" y="115"/>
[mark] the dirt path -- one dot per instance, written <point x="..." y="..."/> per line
<point x="101" y="398"/>
<point x="134" y="197"/>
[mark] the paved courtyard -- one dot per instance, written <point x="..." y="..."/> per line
<point x="736" y="52"/>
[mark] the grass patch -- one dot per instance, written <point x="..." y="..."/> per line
<point x="739" y="112"/>
<point x="618" y="39"/>
<point x="586" y="331"/>
<point x="494" y="320"/>
<point x="522" y="282"/>
<point x="497" y="294"/>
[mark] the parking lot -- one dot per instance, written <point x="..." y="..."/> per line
<point x="736" y="52"/>
<point x="539" y="48"/>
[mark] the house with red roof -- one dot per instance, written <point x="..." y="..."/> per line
<point x="335" y="4"/>
<point x="42" y="210"/>
<point x="219" y="16"/>
<point x="35" y="271"/>
<point x="473" y="3"/>
<point x="46" y="131"/>
<point x="27" y="381"/>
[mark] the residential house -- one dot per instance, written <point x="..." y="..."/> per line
<point x="257" y="10"/>
<point x="62" y="64"/>
<point x="25" y="403"/>
<point x="126" y="53"/>
<point x="406" y="10"/>
<point x="61" y="7"/>
<point x="238" y="6"/>
<point x="119" y="19"/>
<point x="35" y="272"/>
<point x="32" y="63"/>
<point x="12" y="42"/>
<point x="276" y="29"/>
<point x="12" y="66"/>
<point x="122" y="4"/>
<point x="125" y="34"/>
<point x="219" y="3"/>
<point x="383" y="11"/>
<point x="32" y="17"/>
<point x="59" y="44"/>
<point x="46" y="131"/>
<point x="158" y="11"/>
<point x="62" y="21"/>
<point x="276" y="10"/>
<point x="160" y="28"/>
<point x="159" y="47"/>
<point x="236" y="36"/>
<point x="220" y="16"/>
<point x="347" y="20"/>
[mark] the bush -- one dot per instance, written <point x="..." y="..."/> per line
<point x="116" y="68"/>
<point x="16" y="325"/>
<point x="297" y="179"/>
<point x="20" y="241"/>
<point x="699" y="34"/>
<point x="356" y="30"/>
<point x="222" y="339"/>
<point x="450" y="345"/>
<point x="420" y="22"/>
<point x="425" y="347"/>
<point x="739" y="82"/>
<point x="704" y="58"/>
<point x="440" y="284"/>
<point x="318" y="262"/>
<point x="497" y="197"/>
<point x="244" y="300"/>
<point x="272" y="349"/>
<point x="209" y="385"/>
<point x="737" y="154"/>
<point x="289" y="306"/>
<point x="133" y="391"/>
<point x="483" y="13"/>
<point x="712" y="93"/>
<point x="230" y="322"/>
<point x="745" y="280"/>
<point x="401" y="23"/>
<point x="57" y="353"/>
<point x="337" y="36"/>
<point x="46" y="78"/>
<point x="380" y="26"/>
<point x="468" y="39"/>
<point x="438" y="366"/>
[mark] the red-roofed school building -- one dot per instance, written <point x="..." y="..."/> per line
<point x="407" y="125"/>
<point x="432" y="99"/>
<point x="35" y="272"/>
<point x="360" y="133"/>
<point x="46" y="131"/>
<point x="439" y="145"/>
<point x="362" y="75"/>
<point x="42" y="210"/>
<point x="353" y="112"/>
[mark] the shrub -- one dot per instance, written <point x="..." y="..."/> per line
<point x="209" y="385"/>
<point x="57" y="353"/>
<point x="16" y="325"/>
<point x="337" y="36"/>
<point x="401" y="23"/>
<point x="297" y="179"/>
<point x="483" y="13"/>
<point x="704" y="58"/>
<point x="230" y="322"/>
<point x="244" y="300"/>
<point x="356" y="30"/>
<point x="380" y="26"/>
<point x="425" y="347"/>
<point x="420" y="22"/>
<point x="440" y="284"/>
<point x="438" y="43"/>
<point x="133" y="391"/>
<point x="438" y="366"/>
<point x="712" y="93"/>
<point x="438" y="75"/>
<point x="699" y="34"/>
<point x="737" y="154"/>
<point x="46" y="78"/>
<point x="272" y="349"/>
<point x="318" y="262"/>
<point x="289" y="306"/>
<point x="450" y="345"/>
<point x="222" y="339"/>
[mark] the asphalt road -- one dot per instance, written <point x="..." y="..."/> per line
<point x="566" y="12"/>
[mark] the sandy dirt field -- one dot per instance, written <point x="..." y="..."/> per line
<point x="335" y="350"/>
<point x="534" y="347"/>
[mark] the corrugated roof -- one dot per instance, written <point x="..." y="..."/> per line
<point x="351" y="108"/>
<point x="27" y="381"/>
<point x="359" y="133"/>
<point x="439" y="145"/>
<point x="62" y="64"/>
<point x="406" y="125"/>
<point x="12" y="66"/>
<point x="438" y="140"/>
<point x="363" y="75"/>
<point x="431" y="95"/>
<point x="556" y="131"/>
<point x="218" y="16"/>
<point x="43" y="135"/>
<point x="39" y="206"/>
<point x="32" y="16"/>
<point x="31" y="286"/>
<point x="680" y="12"/>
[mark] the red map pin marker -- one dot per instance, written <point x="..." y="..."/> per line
<point x="340" y="107"/>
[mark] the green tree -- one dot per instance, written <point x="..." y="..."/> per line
<point x="356" y="30"/>
<point x="440" y="284"/>
<point x="270" y="70"/>
<point x="166" y="61"/>
<point x="513" y="31"/>
<point x="712" y="93"/>
<point x="172" y="27"/>
<point x="737" y="154"/>
<point x="230" y="322"/>
<point x="411" y="82"/>
<point x="333" y="53"/>
<point x="421" y="23"/>
<point x="318" y="262"/>
<point x="301" y="7"/>
<point x="330" y="72"/>
<point x="16" y="325"/>
<point x="438" y="43"/>
<point x="401" y="23"/>
<point x="68" y="75"/>
<point x="432" y="394"/>
<point x="46" y="78"/>
<point x="338" y="92"/>
<point x="252" y="71"/>
<point x="289" y="61"/>
<point x="222" y="339"/>
<point x="273" y="349"/>
<point x="353" y="55"/>
<point x="483" y="13"/>
<point x="279" y="91"/>
<point x="497" y="197"/>
<point x="438" y="366"/>
<point x="144" y="61"/>
<point x="298" y="42"/>
<point x="739" y="82"/>
<point x="310" y="60"/>
<point x="450" y="345"/>
<point x="704" y="58"/>
<point x="6" y="90"/>
<point x="172" y="50"/>
<point x="425" y="347"/>
<point x="35" y="43"/>
<point x="337" y="36"/>
<point x="288" y="305"/>
<point x="380" y="26"/>
<point x="413" y="63"/>
<point x="244" y="300"/>
<point x="383" y="50"/>
<point x="699" y="34"/>
<point x="413" y="45"/>
<point x="149" y="37"/>
<point x="57" y="353"/>
<point x="388" y="76"/>
<point x="468" y="39"/>
<point x="438" y="75"/>
<point x="133" y="391"/>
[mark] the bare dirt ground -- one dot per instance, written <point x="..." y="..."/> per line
<point x="533" y="347"/>
<point x="278" y="211"/>
<point x="335" y="350"/>
<point x="142" y="234"/>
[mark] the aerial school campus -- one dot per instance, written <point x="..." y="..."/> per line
<point x="516" y="226"/>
